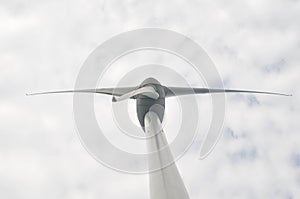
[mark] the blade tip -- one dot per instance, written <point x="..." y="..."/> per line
<point x="288" y="95"/>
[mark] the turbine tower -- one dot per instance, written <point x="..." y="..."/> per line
<point x="166" y="182"/>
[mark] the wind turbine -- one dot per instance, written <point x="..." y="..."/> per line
<point x="165" y="183"/>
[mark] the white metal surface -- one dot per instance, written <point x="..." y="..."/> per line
<point x="164" y="183"/>
<point x="147" y="91"/>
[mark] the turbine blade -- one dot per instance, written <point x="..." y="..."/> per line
<point x="109" y="91"/>
<point x="177" y="91"/>
<point x="148" y="91"/>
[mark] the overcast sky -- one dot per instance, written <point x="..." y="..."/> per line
<point x="254" y="45"/>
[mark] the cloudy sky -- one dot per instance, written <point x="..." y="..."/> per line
<point x="254" y="45"/>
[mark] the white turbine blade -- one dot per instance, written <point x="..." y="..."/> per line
<point x="165" y="183"/>
<point x="177" y="91"/>
<point x="148" y="91"/>
<point x="108" y="91"/>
